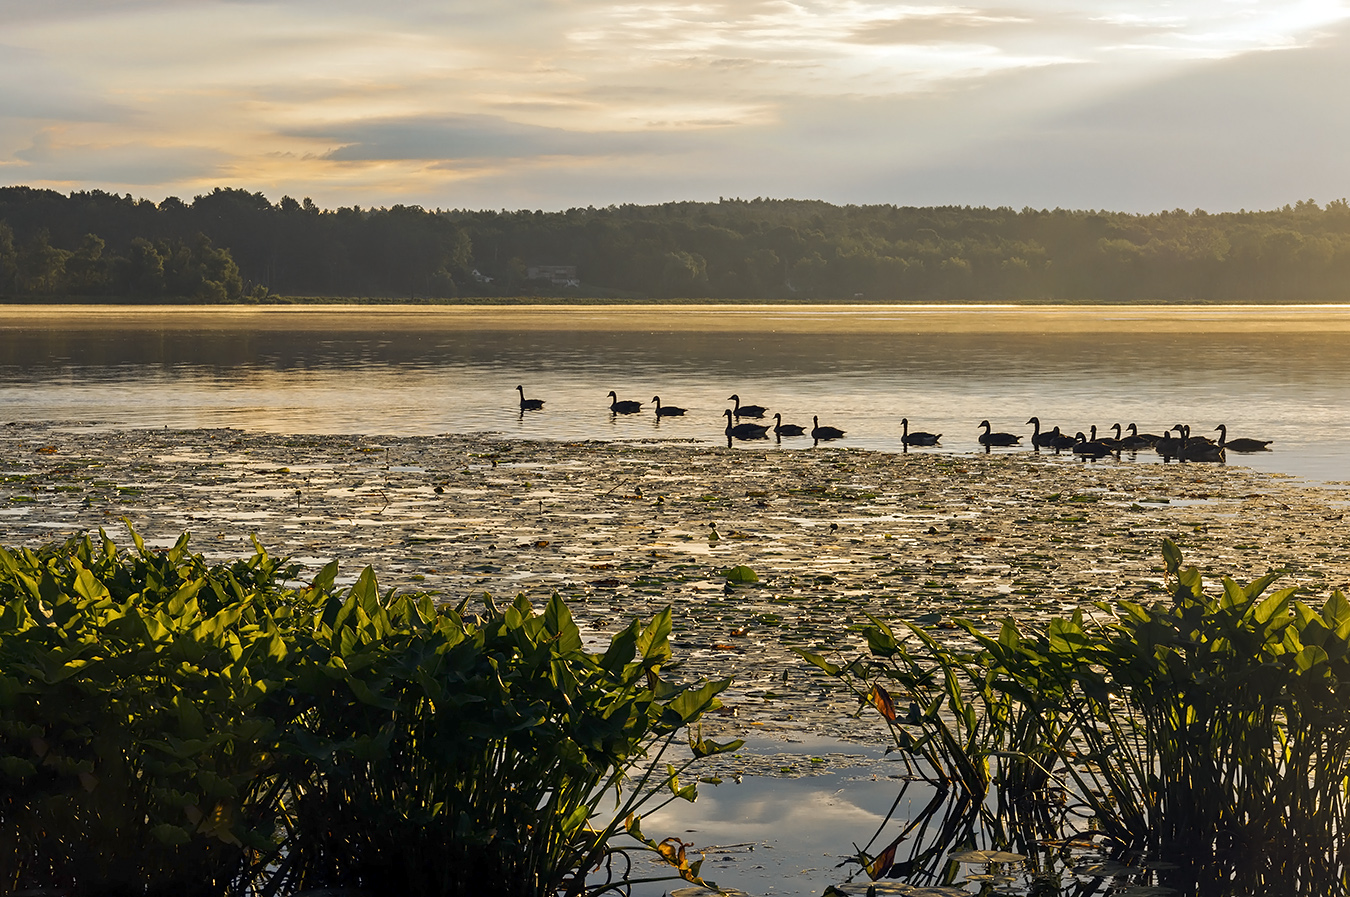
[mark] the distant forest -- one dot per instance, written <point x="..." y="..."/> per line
<point x="232" y="245"/>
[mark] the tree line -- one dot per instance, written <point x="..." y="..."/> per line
<point x="231" y="245"/>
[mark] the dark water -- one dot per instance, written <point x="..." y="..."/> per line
<point x="429" y="372"/>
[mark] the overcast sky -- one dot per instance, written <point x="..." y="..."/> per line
<point x="1117" y="104"/>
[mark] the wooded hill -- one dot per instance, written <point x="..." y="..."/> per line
<point x="232" y="245"/>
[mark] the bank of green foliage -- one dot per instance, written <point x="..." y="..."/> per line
<point x="168" y="726"/>
<point x="86" y="244"/>
<point x="1213" y="727"/>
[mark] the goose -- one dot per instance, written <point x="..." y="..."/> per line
<point x="1169" y="446"/>
<point x="1134" y="441"/>
<point x="746" y="410"/>
<point x="818" y="432"/>
<point x="917" y="438"/>
<point x="1086" y="448"/>
<point x="529" y="404"/>
<point x="988" y="438"/>
<point x="781" y="429"/>
<point x="1039" y="439"/>
<point x="1197" y="448"/>
<point x="627" y="406"/>
<point x="1107" y="441"/>
<point x="745" y="431"/>
<point x="668" y="410"/>
<point x="1060" y="440"/>
<point x="1242" y="444"/>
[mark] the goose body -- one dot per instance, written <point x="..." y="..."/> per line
<point x="819" y="432"/>
<point x="988" y="438"/>
<point x="918" y="437"/>
<point x="1241" y="444"/>
<point x="1090" y="448"/>
<point x="666" y="410"/>
<point x="745" y="431"/>
<point x="1134" y="441"/>
<point x="1039" y="439"/>
<point x="782" y="429"/>
<point x="1060" y="440"/>
<point x="1198" y="448"/>
<point x="746" y="410"/>
<point x="1169" y="446"/>
<point x="627" y="406"/>
<point x="1108" y="441"/>
<point x="528" y="404"/>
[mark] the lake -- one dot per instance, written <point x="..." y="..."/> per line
<point x="1278" y="373"/>
<point x="1274" y="373"/>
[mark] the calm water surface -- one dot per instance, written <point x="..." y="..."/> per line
<point x="1271" y="373"/>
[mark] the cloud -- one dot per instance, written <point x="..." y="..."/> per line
<point x="34" y="86"/>
<point x="549" y="103"/>
<point x="50" y="159"/>
<point x="449" y="138"/>
<point x="1254" y="131"/>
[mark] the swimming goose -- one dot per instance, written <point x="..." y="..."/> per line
<point x="1107" y="441"/>
<point x="746" y="410"/>
<point x="818" y="432"/>
<point x="1086" y="448"/>
<point x="1198" y="448"/>
<point x="1169" y="446"/>
<point x="1134" y="441"/>
<point x="745" y="431"/>
<point x="1060" y="440"/>
<point x="667" y="410"/>
<point x="1243" y="444"/>
<point x="627" y="406"/>
<point x="988" y="438"/>
<point x="529" y="404"/>
<point x="917" y="438"/>
<point x="781" y="429"/>
<point x="1039" y="439"/>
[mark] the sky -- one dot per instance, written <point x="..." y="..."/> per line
<point x="1124" y="105"/>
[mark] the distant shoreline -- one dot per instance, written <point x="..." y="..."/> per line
<point x="702" y="317"/>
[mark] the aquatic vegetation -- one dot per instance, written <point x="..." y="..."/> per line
<point x="1211" y="728"/>
<point x="168" y="726"/>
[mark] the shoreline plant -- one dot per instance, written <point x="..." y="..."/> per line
<point x="169" y="726"/>
<point x="1212" y="730"/>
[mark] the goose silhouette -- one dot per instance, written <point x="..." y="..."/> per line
<point x="1060" y="440"/>
<point x="818" y="432"/>
<point x="988" y="438"/>
<point x="1134" y="441"/>
<point x="781" y="429"/>
<point x="1198" y="448"/>
<point x="666" y="410"/>
<point x="627" y="406"/>
<point x="745" y="431"/>
<point x="1090" y="448"/>
<point x="918" y="437"/>
<point x="529" y="404"/>
<point x="1039" y="439"/>
<point x="1242" y="444"/>
<point x="746" y="410"/>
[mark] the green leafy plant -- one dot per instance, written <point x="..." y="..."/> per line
<point x="169" y="726"/>
<point x="1205" y="725"/>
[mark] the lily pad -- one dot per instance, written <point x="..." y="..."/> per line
<point x="740" y="574"/>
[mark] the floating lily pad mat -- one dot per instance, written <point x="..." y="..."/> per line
<point x="619" y="529"/>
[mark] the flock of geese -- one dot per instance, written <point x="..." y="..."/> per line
<point x="1183" y="446"/>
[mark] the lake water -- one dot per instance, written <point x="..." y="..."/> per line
<point x="1275" y="373"/>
